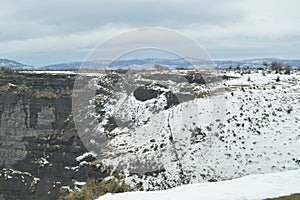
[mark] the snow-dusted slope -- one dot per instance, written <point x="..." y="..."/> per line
<point x="190" y="143"/>
<point x="10" y="64"/>
<point x="248" y="124"/>
<point x="252" y="187"/>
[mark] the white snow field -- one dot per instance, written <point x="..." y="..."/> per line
<point x="252" y="187"/>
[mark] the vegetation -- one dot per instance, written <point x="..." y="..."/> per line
<point x="46" y="94"/>
<point x="287" y="69"/>
<point x="278" y="79"/>
<point x="93" y="190"/>
<point x="202" y="94"/>
<point x="291" y="197"/>
<point x="6" y="70"/>
<point x="276" y="66"/>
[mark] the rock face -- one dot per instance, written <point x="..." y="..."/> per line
<point x="30" y="106"/>
<point x="50" y="166"/>
<point x="39" y="144"/>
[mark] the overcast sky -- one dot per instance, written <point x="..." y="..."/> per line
<point x="45" y="32"/>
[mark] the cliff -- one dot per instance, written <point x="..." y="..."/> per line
<point x="39" y="144"/>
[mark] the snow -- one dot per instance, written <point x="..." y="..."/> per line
<point x="12" y="85"/>
<point x="67" y="188"/>
<point x="42" y="162"/>
<point x="35" y="180"/>
<point x="252" y="187"/>
<point x="257" y="134"/>
<point x="246" y="128"/>
<point x="87" y="154"/>
<point x="80" y="183"/>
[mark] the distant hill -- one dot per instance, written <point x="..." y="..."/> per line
<point x="175" y="63"/>
<point x="119" y="64"/>
<point x="10" y="64"/>
<point x="148" y="63"/>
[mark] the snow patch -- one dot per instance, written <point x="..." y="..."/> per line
<point x="259" y="186"/>
<point x="87" y="154"/>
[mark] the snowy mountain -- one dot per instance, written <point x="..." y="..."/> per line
<point x="10" y="64"/>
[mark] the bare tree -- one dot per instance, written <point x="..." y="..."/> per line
<point x="287" y="69"/>
<point x="276" y="66"/>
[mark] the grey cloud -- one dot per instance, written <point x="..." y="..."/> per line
<point x="40" y="18"/>
<point x="42" y="32"/>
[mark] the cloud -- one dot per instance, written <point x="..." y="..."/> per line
<point x="41" y="32"/>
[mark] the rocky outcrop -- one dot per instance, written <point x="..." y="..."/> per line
<point x="53" y="165"/>
<point x="144" y="94"/>
<point x="39" y="145"/>
<point x="35" y="107"/>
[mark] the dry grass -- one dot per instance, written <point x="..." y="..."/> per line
<point x="291" y="197"/>
<point x="93" y="190"/>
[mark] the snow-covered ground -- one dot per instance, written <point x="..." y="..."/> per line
<point x="252" y="187"/>
<point x="248" y="124"/>
<point x="251" y="127"/>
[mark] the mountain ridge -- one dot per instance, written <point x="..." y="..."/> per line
<point x="11" y="64"/>
<point x="149" y="62"/>
<point x="177" y="63"/>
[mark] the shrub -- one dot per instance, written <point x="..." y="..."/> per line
<point x="202" y="95"/>
<point x="93" y="190"/>
<point x="287" y="69"/>
<point x="276" y="66"/>
<point x="291" y="197"/>
<point x="46" y="94"/>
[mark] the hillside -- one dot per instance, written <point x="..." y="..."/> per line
<point x="10" y="64"/>
<point x="169" y="133"/>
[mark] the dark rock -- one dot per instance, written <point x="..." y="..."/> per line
<point x="195" y="78"/>
<point x="171" y="99"/>
<point x="45" y="146"/>
<point x="144" y="93"/>
<point x="197" y="136"/>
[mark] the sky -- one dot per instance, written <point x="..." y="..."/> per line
<point x="46" y="32"/>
